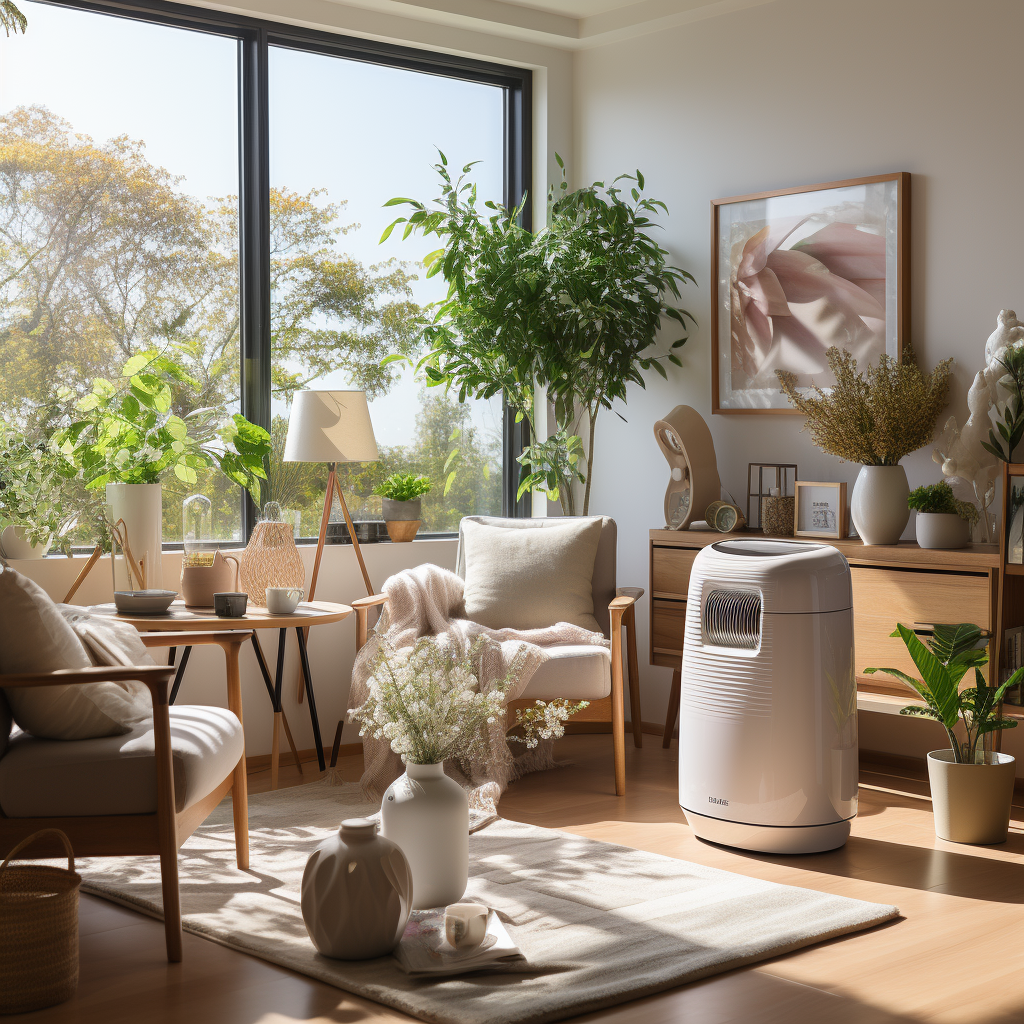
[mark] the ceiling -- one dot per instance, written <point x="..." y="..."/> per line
<point x="567" y="24"/>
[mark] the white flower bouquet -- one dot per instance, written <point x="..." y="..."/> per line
<point x="427" y="702"/>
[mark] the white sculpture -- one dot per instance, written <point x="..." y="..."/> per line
<point x="959" y="452"/>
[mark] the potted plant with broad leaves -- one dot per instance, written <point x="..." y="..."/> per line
<point x="943" y="520"/>
<point x="37" y="505"/>
<point x="401" y="495"/>
<point x="573" y="309"/>
<point x="972" y="788"/>
<point x="124" y="436"/>
<point x="875" y="419"/>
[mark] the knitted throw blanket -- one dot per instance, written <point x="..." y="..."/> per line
<point x="428" y="601"/>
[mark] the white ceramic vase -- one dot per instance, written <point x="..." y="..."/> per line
<point x="971" y="802"/>
<point x="427" y="815"/>
<point x="941" y="530"/>
<point x="878" y="506"/>
<point x="14" y="544"/>
<point x="141" y="508"/>
<point x="356" y="893"/>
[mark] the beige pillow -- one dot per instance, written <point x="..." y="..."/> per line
<point x="34" y="637"/>
<point x="531" y="578"/>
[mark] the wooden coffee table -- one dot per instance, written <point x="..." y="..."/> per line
<point x="179" y="619"/>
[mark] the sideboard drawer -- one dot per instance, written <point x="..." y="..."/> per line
<point x="667" y="621"/>
<point x="883" y="596"/>
<point x="670" y="571"/>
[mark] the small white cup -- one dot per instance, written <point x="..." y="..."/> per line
<point x="284" y="600"/>
<point x="465" y="924"/>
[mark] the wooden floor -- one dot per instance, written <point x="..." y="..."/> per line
<point x="956" y="955"/>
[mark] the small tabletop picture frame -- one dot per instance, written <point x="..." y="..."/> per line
<point x="819" y="509"/>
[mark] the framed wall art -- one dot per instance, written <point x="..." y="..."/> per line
<point x="799" y="270"/>
<point x="820" y="510"/>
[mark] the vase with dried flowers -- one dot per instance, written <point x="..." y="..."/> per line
<point x="874" y="418"/>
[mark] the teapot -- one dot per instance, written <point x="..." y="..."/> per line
<point x="200" y="582"/>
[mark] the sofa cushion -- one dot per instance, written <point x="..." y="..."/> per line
<point x="529" y="579"/>
<point x="35" y="637"/>
<point x="576" y="672"/>
<point x="117" y="774"/>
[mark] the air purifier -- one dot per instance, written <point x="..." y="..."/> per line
<point x="768" y="706"/>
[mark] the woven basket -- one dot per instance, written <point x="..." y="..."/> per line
<point x="38" y="931"/>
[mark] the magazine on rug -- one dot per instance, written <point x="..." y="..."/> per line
<point x="424" y="951"/>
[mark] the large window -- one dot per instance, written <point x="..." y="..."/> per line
<point x="213" y="187"/>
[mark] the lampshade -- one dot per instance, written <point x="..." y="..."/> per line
<point x="330" y="426"/>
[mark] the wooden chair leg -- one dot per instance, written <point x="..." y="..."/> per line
<point x="167" y="830"/>
<point x="673" y="708"/>
<point x="172" y="902"/>
<point x="239" y="782"/>
<point x="618" y="712"/>
<point x="634" y="678"/>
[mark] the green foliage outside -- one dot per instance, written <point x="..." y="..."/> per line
<point x="940" y="498"/>
<point x="402" y="487"/>
<point x="952" y="651"/>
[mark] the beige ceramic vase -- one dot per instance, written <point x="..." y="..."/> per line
<point x="356" y="893"/>
<point x="971" y="802"/>
<point x="200" y="582"/>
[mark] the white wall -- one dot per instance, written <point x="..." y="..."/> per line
<point x="797" y="92"/>
<point x="331" y="647"/>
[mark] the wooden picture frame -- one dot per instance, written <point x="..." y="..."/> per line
<point x="757" y="326"/>
<point x="831" y="499"/>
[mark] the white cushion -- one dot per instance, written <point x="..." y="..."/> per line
<point x="34" y="637"/>
<point x="530" y="579"/>
<point x="117" y="774"/>
<point x="576" y="672"/>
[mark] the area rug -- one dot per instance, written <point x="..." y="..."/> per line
<point x="599" y="924"/>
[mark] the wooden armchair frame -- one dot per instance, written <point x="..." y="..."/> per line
<point x="622" y="613"/>
<point x="160" y="833"/>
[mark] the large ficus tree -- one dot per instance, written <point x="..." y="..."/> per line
<point x="574" y="309"/>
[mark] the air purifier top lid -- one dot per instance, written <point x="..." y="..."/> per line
<point x="794" y="577"/>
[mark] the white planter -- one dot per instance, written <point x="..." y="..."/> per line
<point x="971" y="802"/>
<point x="356" y="893"/>
<point x="141" y="508"/>
<point x="878" y="506"/>
<point x="14" y="544"/>
<point x="941" y="530"/>
<point x="426" y="815"/>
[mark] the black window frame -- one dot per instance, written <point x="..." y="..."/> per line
<point x="255" y="36"/>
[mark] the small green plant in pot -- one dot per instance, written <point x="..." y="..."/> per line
<point x="401" y="494"/>
<point x="971" y="788"/>
<point x="943" y="520"/>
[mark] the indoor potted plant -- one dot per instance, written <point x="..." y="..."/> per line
<point x="971" y="788"/>
<point x="401" y="495"/>
<point x="874" y="419"/>
<point x="943" y="521"/>
<point x="36" y="504"/>
<point x="126" y="437"/>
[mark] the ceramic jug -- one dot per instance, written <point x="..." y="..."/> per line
<point x="200" y="582"/>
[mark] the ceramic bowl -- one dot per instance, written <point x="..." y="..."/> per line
<point x="144" y="602"/>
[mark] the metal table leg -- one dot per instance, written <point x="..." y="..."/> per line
<point x="180" y="674"/>
<point x="308" y="680"/>
<point x="274" y="689"/>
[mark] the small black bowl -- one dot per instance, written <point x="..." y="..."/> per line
<point x="230" y="606"/>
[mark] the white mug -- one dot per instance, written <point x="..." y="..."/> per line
<point x="284" y="600"/>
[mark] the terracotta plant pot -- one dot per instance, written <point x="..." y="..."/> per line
<point x="941" y="530"/>
<point x="971" y="802"/>
<point x="200" y="582"/>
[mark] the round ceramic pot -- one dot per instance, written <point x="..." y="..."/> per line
<point x="400" y="511"/>
<point x="200" y="582"/>
<point x="15" y="544"/>
<point x="141" y="508"/>
<point x="941" y="530"/>
<point x="427" y="815"/>
<point x="356" y="893"/>
<point x="878" y="506"/>
<point x="971" y="802"/>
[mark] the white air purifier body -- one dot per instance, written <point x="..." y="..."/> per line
<point x="768" y="706"/>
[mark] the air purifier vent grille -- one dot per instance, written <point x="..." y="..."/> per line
<point x="732" y="618"/>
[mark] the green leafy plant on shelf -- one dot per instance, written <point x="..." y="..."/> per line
<point x="939" y="498"/>
<point x="953" y="651"/>
<point x="127" y="433"/>
<point x="1009" y="419"/>
<point x="403" y="487"/>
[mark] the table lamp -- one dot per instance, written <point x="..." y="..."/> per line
<point x="332" y="427"/>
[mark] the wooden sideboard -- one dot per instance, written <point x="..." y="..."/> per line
<point x="902" y="583"/>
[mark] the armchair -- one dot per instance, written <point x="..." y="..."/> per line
<point x="144" y="792"/>
<point x="587" y="673"/>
